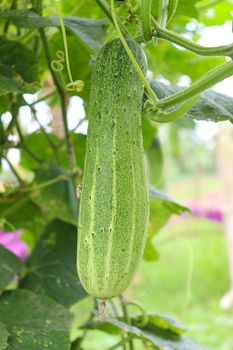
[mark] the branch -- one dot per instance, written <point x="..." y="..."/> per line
<point x="18" y="177"/>
<point x="27" y="149"/>
<point x="208" y="80"/>
<point x="69" y="144"/>
<point x="223" y="50"/>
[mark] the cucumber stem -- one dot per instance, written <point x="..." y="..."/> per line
<point x="102" y="308"/>
<point x="165" y="34"/>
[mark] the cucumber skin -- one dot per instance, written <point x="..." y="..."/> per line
<point x="113" y="216"/>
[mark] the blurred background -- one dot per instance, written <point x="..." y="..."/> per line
<point x="191" y="278"/>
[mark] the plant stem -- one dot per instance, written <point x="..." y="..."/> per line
<point x="211" y="78"/>
<point x="162" y="13"/>
<point x="146" y="19"/>
<point x="50" y="141"/>
<point x="223" y="50"/>
<point x="14" y="170"/>
<point x="105" y="7"/>
<point x="117" y="315"/>
<point x="131" y="56"/>
<point x="122" y="342"/>
<point x="27" y="149"/>
<point x="69" y="144"/>
<point x="126" y="318"/>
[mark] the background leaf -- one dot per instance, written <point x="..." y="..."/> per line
<point x="90" y="31"/>
<point x="59" y="199"/>
<point x="10" y="266"/>
<point x="52" y="265"/>
<point x="34" y="322"/>
<point x="161" y="208"/>
<point x="211" y="105"/>
<point x="3" y="336"/>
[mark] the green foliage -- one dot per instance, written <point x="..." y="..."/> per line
<point x="206" y="107"/>
<point x="10" y="266"/>
<point x="52" y="265"/>
<point x="34" y="322"/>
<point x="3" y="336"/>
<point x="18" y="67"/>
<point x="90" y="31"/>
<point x="161" y="208"/>
<point x="57" y="200"/>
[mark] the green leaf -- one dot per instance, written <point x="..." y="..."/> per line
<point x="22" y="213"/>
<point x="90" y="31"/>
<point x="10" y="265"/>
<point x="155" y="163"/>
<point x="219" y="14"/>
<point x="18" y="58"/>
<point x="206" y="107"/>
<point x="57" y="200"/>
<point x="52" y="265"/>
<point x="34" y="322"/>
<point x="3" y="336"/>
<point x="162" y="60"/>
<point x="161" y="322"/>
<point x="161" y="338"/>
<point x="9" y="81"/>
<point x="184" y="8"/>
<point x="39" y="145"/>
<point x="161" y="208"/>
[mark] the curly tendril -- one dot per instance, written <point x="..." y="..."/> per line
<point x="57" y="65"/>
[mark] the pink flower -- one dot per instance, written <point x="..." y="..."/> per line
<point x="12" y="242"/>
<point x="209" y="213"/>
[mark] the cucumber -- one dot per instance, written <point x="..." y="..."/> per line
<point x="113" y="216"/>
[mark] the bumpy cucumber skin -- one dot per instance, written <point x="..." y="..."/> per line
<point x="113" y="214"/>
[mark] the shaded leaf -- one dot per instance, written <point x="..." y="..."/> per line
<point x="57" y="200"/>
<point x="9" y="82"/>
<point x="34" y="322"/>
<point x="22" y="213"/>
<point x="161" y="208"/>
<point x="52" y="265"/>
<point x="160" y="338"/>
<point x="211" y="106"/>
<point x="39" y="145"/>
<point x="20" y="59"/>
<point x="10" y="265"/>
<point x="90" y="31"/>
<point x="3" y="336"/>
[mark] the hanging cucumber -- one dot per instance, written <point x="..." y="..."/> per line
<point x="113" y="214"/>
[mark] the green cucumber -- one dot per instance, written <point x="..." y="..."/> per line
<point x="113" y="214"/>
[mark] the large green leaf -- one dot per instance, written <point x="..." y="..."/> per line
<point x="161" y="208"/>
<point x="184" y="8"/>
<point x="3" y="336"/>
<point x="90" y="31"/>
<point x="10" y="266"/>
<point x="34" y="322"/>
<point x="52" y="265"/>
<point x="57" y="200"/>
<point x="161" y="339"/>
<point x="17" y="58"/>
<point x="211" y="106"/>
